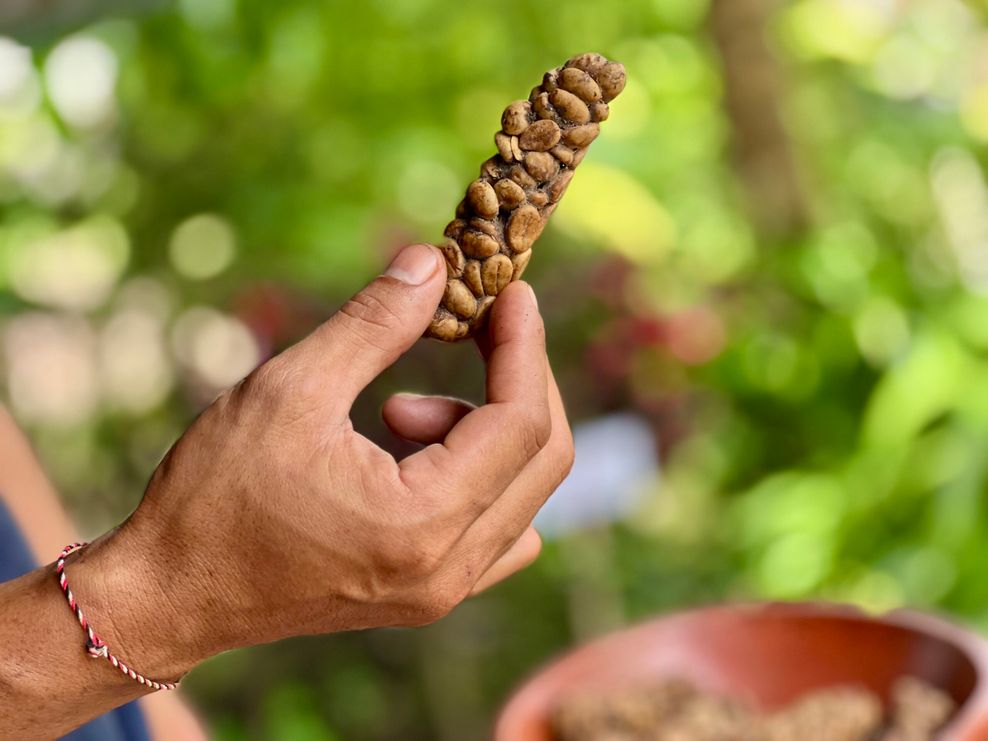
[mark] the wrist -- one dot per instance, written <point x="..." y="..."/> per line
<point x="147" y="616"/>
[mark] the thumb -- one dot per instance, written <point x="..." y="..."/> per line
<point x="377" y="325"/>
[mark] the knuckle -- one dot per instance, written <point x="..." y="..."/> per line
<point x="438" y="599"/>
<point x="407" y="561"/>
<point x="368" y="314"/>
<point x="535" y="426"/>
<point x="265" y="382"/>
<point x="564" y="456"/>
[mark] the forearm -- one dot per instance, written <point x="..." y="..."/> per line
<point x="48" y="683"/>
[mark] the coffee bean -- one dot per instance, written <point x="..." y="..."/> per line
<point x="541" y="136"/>
<point x="570" y="107"/>
<point x="520" y="176"/>
<point x="523" y="228"/>
<point x="514" y="120"/>
<point x="454" y="257"/>
<point x="509" y="193"/>
<point x="580" y="84"/>
<point x="454" y="229"/>
<point x="549" y="81"/>
<point x="491" y="169"/>
<point x="496" y="274"/>
<point x="483" y="200"/>
<point x="483" y="225"/>
<point x="459" y="300"/>
<point x="563" y="154"/>
<point x="559" y="184"/>
<point x="444" y="326"/>
<point x="538" y="198"/>
<point x="519" y="262"/>
<point x="540" y="143"/>
<point x="483" y="306"/>
<point x="580" y="136"/>
<point x="477" y="244"/>
<point x="590" y="62"/>
<point x="542" y="107"/>
<point x="503" y="143"/>
<point x="611" y="79"/>
<point x="471" y="277"/>
<point x="541" y="165"/>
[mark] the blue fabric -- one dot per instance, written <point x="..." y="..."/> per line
<point x="123" y="724"/>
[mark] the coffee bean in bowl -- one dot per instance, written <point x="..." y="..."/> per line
<point x="675" y="710"/>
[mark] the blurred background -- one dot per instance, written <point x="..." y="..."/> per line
<point x="766" y="295"/>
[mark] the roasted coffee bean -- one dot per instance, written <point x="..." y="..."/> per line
<point x="541" y="165"/>
<point x="580" y="84"/>
<point x="496" y="274"/>
<point x="459" y="300"/>
<point x="509" y="193"/>
<point x="570" y="107"/>
<point x="483" y="199"/>
<point x="541" y="136"/>
<point x="523" y="228"/>
<point x="541" y="141"/>
<point x="471" y="277"/>
<point x="514" y="120"/>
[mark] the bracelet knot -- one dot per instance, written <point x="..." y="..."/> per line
<point x="95" y="646"/>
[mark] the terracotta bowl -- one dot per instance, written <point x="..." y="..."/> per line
<point x="768" y="655"/>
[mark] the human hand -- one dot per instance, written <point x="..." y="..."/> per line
<point x="272" y="517"/>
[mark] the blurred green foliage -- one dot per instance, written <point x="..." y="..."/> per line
<point x="185" y="192"/>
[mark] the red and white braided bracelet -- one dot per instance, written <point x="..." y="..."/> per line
<point x="95" y="646"/>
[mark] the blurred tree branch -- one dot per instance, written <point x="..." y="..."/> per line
<point x="753" y="89"/>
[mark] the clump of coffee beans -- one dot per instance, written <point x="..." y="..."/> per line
<point x="540" y="143"/>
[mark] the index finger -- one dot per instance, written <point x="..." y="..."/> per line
<point x="489" y="447"/>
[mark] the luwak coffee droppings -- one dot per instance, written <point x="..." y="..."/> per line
<point x="540" y="143"/>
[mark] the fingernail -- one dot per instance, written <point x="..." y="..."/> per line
<point x="531" y="292"/>
<point x="414" y="265"/>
